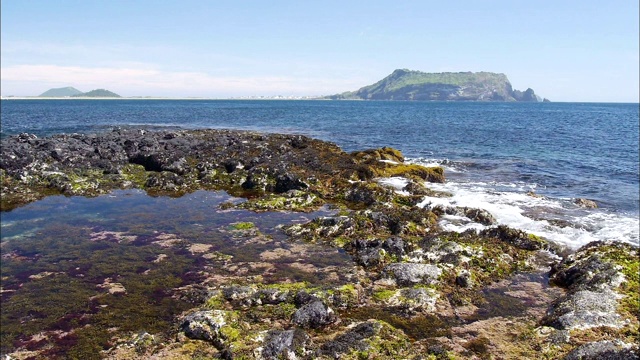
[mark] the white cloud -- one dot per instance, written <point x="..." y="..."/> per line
<point x="150" y="81"/>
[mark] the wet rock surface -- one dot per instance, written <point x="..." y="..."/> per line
<point x="410" y="273"/>
<point x="411" y="291"/>
<point x="314" y="315"/>
<point x="605" y="350"/>
<point x="287" y="344"/>
<point x="352" y="340"/>
<point x="205" y="325"/>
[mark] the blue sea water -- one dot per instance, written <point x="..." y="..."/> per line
<point x="493" y="153"/>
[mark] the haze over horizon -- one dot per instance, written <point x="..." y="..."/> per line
<point x="566" y="51"/>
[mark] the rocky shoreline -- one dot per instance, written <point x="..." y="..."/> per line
<point x="414" y="291"/>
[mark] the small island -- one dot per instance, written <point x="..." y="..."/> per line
<point x="98" y="93"/>
<point x="405" y="84"/>
<point x="73" y="92"/>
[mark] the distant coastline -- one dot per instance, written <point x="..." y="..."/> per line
<point x="255" y="98"/>
<point x="163" y="98"/>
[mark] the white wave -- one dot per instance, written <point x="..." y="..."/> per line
<point x="557" y="220"/>
<point x="397" y="183"/>
<point x="446" y="164"/>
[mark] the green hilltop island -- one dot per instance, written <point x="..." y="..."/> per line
<point x="73" y="92"/>
<point x="405" y="84"/>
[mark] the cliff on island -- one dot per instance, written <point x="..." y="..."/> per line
<point x="407" y="289"/>
<point x="405" y="84"/>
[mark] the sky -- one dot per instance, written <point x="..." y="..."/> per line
<point x="565" y="50"/>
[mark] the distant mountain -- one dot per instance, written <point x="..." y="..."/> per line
<point x="405" y="84"/>
<point x="61" y="92"/>
<point x="98" y="93"/>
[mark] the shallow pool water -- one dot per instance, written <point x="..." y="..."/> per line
<point x="76" y="271"/>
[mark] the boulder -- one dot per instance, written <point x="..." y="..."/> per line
<point x="242" y="295"/>
<point x="205" y="325"/>
<point x="370" y="253"/>
<point x="353" y="339"/>
<point x="591" y="267"/>
<point x="585" y="203"/>
<point x="287" y="344"/>
<point x="314" y="315"/>
<point x="411" y="273"/>
<point x="584" y="309"/>
<point x="517" y="238"/>
<point x="593" y="280"/>
<point x="288" y="181"/>
<point x="604" y="350"/>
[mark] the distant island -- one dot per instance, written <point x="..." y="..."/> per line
<point x="61" y="92"/>
<point x="405" y="84"/>
<point x="73" y="92"/>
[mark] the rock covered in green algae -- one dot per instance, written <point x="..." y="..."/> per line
<point x="585" y="309"/>
<point x="409" y="300"/>
<point x="177" y="162"/>
<point x="411" y="273"/>
<point x="352" y="340"/>
<point x="600" y="277"/>
<point x="477" y="215"/>
<point x="603" y="293"/>
<point x="206" y="325"/>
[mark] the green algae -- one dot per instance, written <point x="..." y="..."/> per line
<point x="383" y="295"/>
<point x="491" y="259"/>
<point x="134" y="174"/>
<point x="242" y="226"/>
<point x="74" y="298"/>
<point x="294" y="200"/>
<point x="629" y="264"/>
<point x="416" y="328"/>
<point x="431" y="174"/>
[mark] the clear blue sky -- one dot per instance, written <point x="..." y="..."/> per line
<point x="565" y="50"/>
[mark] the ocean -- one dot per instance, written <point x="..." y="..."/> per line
<point x="525" y="163"/>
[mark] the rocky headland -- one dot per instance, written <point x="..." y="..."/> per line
<point x="411" y="85"/>
<point x="412" y="290"/>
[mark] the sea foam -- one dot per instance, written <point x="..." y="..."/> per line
<point x="516" y="205"/>
<point x="557" y="220"/>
